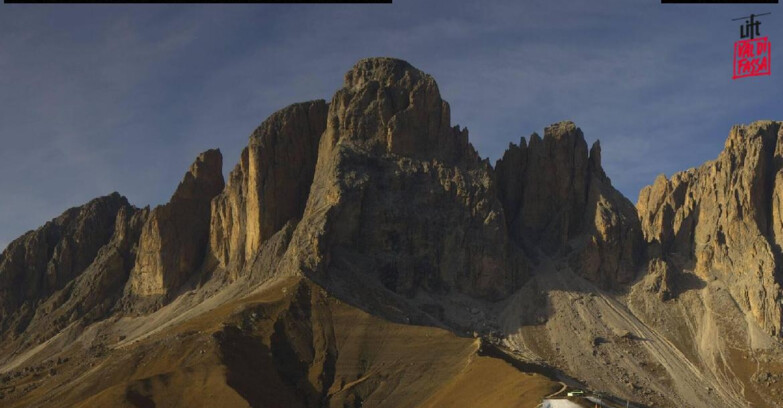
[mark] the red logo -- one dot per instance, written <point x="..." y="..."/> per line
<point x="752" y="57"/>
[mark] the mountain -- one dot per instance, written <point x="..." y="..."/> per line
<point x="361" y="253"/>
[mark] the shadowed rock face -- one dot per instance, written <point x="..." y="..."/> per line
<point x="174" y="239"/>
<point x="41" y="263"/>
<point x="399" y="194"/>
<point x="544" y="185"/>
<point x="723" y="219"/>
<point x="557" y="199"/>
<point x="387" y="105"/>
<point x="92" y="295"/>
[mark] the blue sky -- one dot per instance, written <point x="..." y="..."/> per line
<point x="96" y="99"/>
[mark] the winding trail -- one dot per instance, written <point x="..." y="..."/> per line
<point x="560" y="391"/>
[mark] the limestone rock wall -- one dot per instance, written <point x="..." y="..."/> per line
<point x="723" y="219"/>
<point x="400" y="195"/>
<point x="558" y="200"/>
<point x="174" y="238"/>
<point x="44" y="261"/>
<point x="93" y="294"/>
<point x="269" y="186"/>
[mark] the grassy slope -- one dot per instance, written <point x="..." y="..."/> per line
<point x="289" y="346"/>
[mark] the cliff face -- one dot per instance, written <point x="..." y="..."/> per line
<point x="544" y="186"/>
<point x="400" y="195"/>
<point x="723" y="219"/>
<point x="558" y="200"/>
<point x="174" y="239"/>
<point x="59" y="258"/>
<point x="378" y="180"/>
<point x="269" y="186"/>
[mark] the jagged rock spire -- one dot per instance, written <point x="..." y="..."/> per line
<point x="174" y="239"/>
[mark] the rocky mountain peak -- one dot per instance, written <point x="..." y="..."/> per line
<point x="42" y="262"/>
<point x="386" y="71"/>
<point x="724" y="219"/>
<point x="204" y="178"/>
<point x="564" y="131"/>
<point x="542" y="181"/>
<point x="387" y="105"/>
<point x="174" y="238"/>
<point x="594" y="160"/>
<point x="269" y="187"/>
<point x="557" y="199"/>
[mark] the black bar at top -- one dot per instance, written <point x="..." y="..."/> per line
<point x="719" y="1"/>
<point x="197" y="1"/>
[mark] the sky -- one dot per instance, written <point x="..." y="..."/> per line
<point x="103" y="98"/>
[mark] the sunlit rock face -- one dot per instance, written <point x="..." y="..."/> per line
<point x="269" y="186"/>
<point x="174" y="239"/>
<point x="724" y="219"/>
